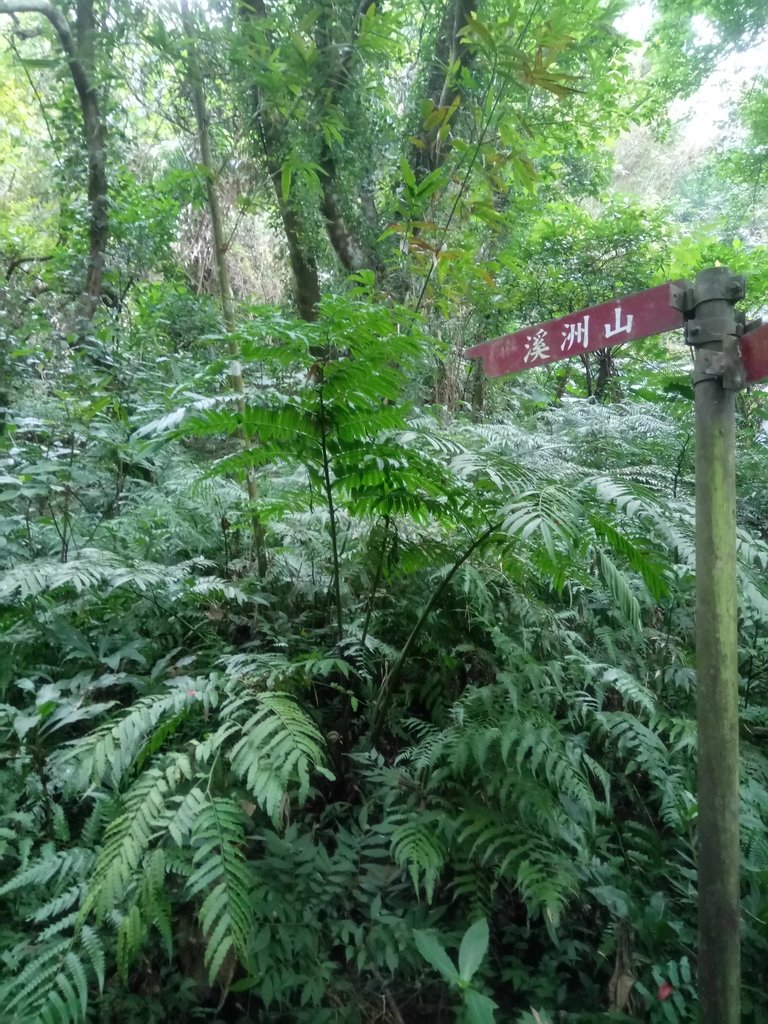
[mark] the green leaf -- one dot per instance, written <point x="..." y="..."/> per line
<point x="612" y="898"/>
<point x="286" y="176"/>
<point x="24" y="724"/>
<point x="478" y="28"/>
<point x="473" y="949"/>
<point x="245" y="984"/>
<point x="430" y="948"/>
<point x="479" y="1007"/>
<point x="408" y="175"/>
<point x="39" y="62"/>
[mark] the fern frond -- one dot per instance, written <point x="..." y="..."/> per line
<point x="418" y="845"/>
<point x="645" y="562"/>
<point x="128" y="837"/>
<point x="58" y="905"/>
<point x="115" y="749"/>
<point x="130" y="937"/>
<point x="221" y="872"/>
<point x="279" y="745"/>
<point x="545" y="877"/>
<point x="91" y="569"/>
<point x="171" y="421"/>
<point x="619" y="588"/>
<point x="187" y="810"/>
<point x="52" y="988"/>
<point x="550" y="516"/>
<point x="639" y="742"/>
<point x="632" y="691"/>
<point x="51" y="870"/>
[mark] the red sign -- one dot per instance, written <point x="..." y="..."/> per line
<point x="611" y="323"/>
<point x="754" y="354"/>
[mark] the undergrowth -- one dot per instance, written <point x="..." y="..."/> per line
<point x="462" y="689"/>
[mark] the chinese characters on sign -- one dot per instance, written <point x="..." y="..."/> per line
<point x="618" y="326"/>
<point x="611" y="323"/>
<point x="536" y="347"/>
<point x="575" y="335"/>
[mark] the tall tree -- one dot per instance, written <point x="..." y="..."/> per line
<point x="220" y="255"/>
<point x="269" y="129"/>
<point x="79" y="46"/>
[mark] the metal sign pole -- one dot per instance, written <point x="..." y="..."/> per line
<point x="718" y="374"/>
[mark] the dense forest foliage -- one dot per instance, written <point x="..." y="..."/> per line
<point x="339" y="684"/>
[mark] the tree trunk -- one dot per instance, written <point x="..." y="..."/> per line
<point x="346" y="246"/>
<point x="337" y="67"/>
<point x="206" y="158"/>
<point x="95" y="138"/>
<point x="272" y="132"/>
<point x="605" y="372"/>
<point x="443" y="87"/>
<point x="220" y="260"/>
<point x="80" y="57"/>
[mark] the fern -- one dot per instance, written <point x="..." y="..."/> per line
<point x="51" y="869"/>
<point x="620" y="591"/>
<point x="130" y="937"/>
<point x="544" y="876"/>
<point x="221" y="874"/>
<point x="417" y="844"/>
<point x="92" y="568"/>
<point x="112" y="751"/>
<point x="537" y="764"/>
<point x="185" y="812"/>
<point x="130" y="835"/>
<point x="58" y="905"/>
<point x="278" y="744"/>
<point x="53" y="986"/>
<point x="634" y="694"/>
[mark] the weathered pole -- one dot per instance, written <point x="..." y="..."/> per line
<point x="718" y="375"/>
<point x="713" y="330"/>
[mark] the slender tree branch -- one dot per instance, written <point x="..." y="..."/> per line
<point x="679" y="464"/>
<point x="38" y="97"/>
<point x="392" y="677"/>
<point x="16" y="262"/>
<point x="332" y="518"/>
<point x="60" y="25"/>
<point x="376" y="578"/>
